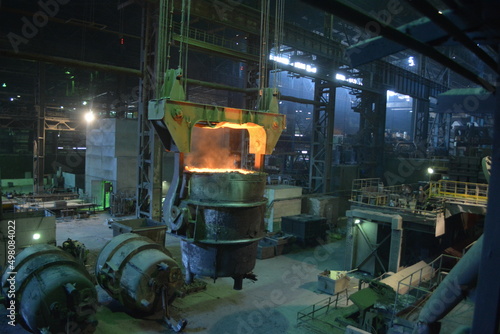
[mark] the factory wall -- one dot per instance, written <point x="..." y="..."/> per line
<point x="111" y="157"/>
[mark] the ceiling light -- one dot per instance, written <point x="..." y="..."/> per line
<point x="89" y="116"/>
<point x="411" y="61"/>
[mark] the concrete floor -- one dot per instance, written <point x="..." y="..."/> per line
<point x="286" y="284"/>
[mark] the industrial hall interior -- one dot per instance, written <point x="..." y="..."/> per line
<point x="249" y="166"/>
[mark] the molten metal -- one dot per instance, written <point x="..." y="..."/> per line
<point x="218" y="170"/>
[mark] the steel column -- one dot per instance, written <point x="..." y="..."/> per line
<point x="39" y="145"/>
<point x="421" y="129"/>
<point x="320" y="171"/>
<point x="148" y="203"/>
<point x="371" y="135"/>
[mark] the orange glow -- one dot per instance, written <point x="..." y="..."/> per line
<point x="218" y="170"/>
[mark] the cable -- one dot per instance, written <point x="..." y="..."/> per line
<point x="279" y="19"/>
<point x="264" y="48"/>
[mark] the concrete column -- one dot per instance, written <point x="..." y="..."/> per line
<point x="396" y="241"/>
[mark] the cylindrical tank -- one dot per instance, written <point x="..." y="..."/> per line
<point x="138" y="272"/>
<point x="50" y="291"/>
<point x="229" y="209"/>
<point x="229" y="188"/>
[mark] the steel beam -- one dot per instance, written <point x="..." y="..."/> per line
<point x="247" y="19"/>
<point x="70" y="62"/>
<point x="215" y="49"/>
<point x="356" y="17"/>
<point x="221" y="86"/>
<point x="466" y="100"/>
<point x="457" y="33"/>
<point x="423" y="29"/>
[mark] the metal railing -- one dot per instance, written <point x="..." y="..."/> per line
<point x="415" y="197"/>
<point x="203" y="36"/>
<point x="322" y="308"/>
<point x="475" y="193"/>
<point x="405" y="197"/>
<point x="420" y="284"/>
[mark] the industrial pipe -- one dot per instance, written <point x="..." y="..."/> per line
<point x="453" y="289"/>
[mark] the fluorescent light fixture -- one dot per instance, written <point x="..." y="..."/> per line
<point x="278" y="59"/>
<point x="339" y="76"/>
<point x="342" y="77"/>
<point x="286" y="61"/>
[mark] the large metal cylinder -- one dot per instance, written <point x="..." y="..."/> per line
<point x="230" y="188"/>
<point x="53" y="292"/>
<point x="229" y="212"/>
<point x="138" y="272"/>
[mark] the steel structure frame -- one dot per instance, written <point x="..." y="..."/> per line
<point x="421" y="128"/>
<point x="377" y="78"/>
<point x="370" y="146"/>
<point x="149" y="167"/>
<point x="39" y="144"/>
<point x="440" y="128"/>
<point x="320" y="171"/>
<point x="487" y="308"/>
